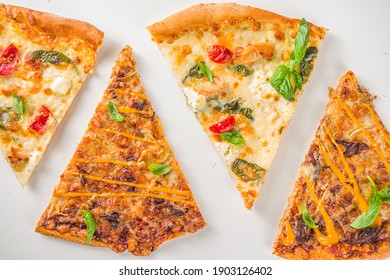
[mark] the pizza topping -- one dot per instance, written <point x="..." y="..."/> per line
<point x="352" y="148"/>
<point x="284" y="74"/>
<point x="159" y="169"/>
<point x="376" y="199"/>
<point x="39" y="123"/>
<point x="225" y="125"/>
<point x="53" y="57"/>
<point x="234" y="107"/>
<point x="8" y="60"/>
<point x="198" y="71"/>
<point x="306" y="217"/>
<point x="91" y="225"/>
<point x="61" y="85"/>
<point x="246" y="170"/>
<point x="19" y="105"/>
<point x="232" y="137"/>
<point x="241" y="69"/>
<point x="307" y="63"/>
<point x="219" y="54"/>
<point x="114" y="113"/>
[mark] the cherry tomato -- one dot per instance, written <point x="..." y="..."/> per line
<point x="39" y="123"/>
<point x="219" y="54"/>
<point x="8" y="60"/>
<point x="225" y="125"/>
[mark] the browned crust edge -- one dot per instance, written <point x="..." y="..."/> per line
<point x="55" y="25"/>
<point x="350" y="82"/>
<point x="211" y="13"/>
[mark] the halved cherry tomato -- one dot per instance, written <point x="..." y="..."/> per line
<point x="8" y="60"/>
<point x="225" y="125"/>
<point x="39" y="123"/>
<point x="219" y="54"/>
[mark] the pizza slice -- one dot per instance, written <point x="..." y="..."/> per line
<point x="339" y="208"/>
<point x="123" y="188"/>
<point x="44" y="60"/>
<point x="242" y="70"/>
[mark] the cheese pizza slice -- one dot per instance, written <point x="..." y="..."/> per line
<point x="339" y="208"/>
<point x="123" y="188"/>
<point x="242" y="70"/>
<point x="44" y="60"/>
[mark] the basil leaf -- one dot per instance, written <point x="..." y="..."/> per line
<point x="367" y="218"/>
<point x="297" y="79"/>
<point x="234" y="107"/>
<point x="384" y="195"/>
<point x="232" y="137"/>
<point x="307" y="63"/>
<point x="113" y="112"/>
<point x="307" y="218"/>
<point x="91" y="225"/>
<point x="300" y="44"/>
<point x="241" y="69"/>
<point x="19" y="105"/>
<point x="53" y="57"/>
<point x="205" y="71"/>
<point x="195" y="72"/>
<point x="159" y="169"/>
<point x="247" y="170"/>
<point x="247" y="112"/>
<point x="281" y="82"/>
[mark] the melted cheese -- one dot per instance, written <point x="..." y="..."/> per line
<point x="61" y="85"/>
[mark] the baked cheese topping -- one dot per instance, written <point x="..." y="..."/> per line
<point x="239" y="62"/>
<point x="44" y="74"/>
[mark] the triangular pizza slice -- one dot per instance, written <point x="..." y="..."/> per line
<point x="123" y="188"/>
<point x="339" y="208"/>
<point x="44" y="60"/>
<point x="242" y="70"/>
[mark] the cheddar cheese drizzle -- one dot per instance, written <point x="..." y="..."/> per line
<point x="141" y="186"/>
<point x="107" y="195"/>
<point x="377" y="123"/>
<point x="128" y="135"/>
<point x="332" y="236"/>
<point x="358" y="196"/>
<point x="289" y="239"/>
<point x="128" y="110"/>
<point x="365" y="132"/>
<point x="139" y="95"/>
<point x="116" y="162"/>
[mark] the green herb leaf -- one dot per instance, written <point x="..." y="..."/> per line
<point x="300" y="44"/>
<point x="91" y="225"/>
<point x="297" y="79"/>
<point x="281" y="82"/>
<point x="374" y="206"/>
<point x="307" y="218"/>
<point x="234" y="107"/>
<point x="307" y="63"/>
<point x="232" y="137"/>
<point x="159" y="169"/>
<point x="206" y="71"/>
<point x="247" y="112"/>
<point x="113" y="112"/>
<point x="247" y="170"/>
<point x="53" y="57"/>
<point x="19" y="105"/>
<point x="384" y="195"/>
<point x="195" y="72"/>
<point x="241" y="69"/>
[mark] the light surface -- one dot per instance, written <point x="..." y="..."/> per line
<point x="358" y="40"/>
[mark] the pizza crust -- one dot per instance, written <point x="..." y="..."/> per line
<point x="54" y="25"/>
<point x="210" y="14"/>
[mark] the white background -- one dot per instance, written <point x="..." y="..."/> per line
<point x="358" y="39"/>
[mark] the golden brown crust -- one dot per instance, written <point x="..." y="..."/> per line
<point x="211" y="13"/>
<point x="54" y="25"/>
<point x="363" y="151"/>
<point x="134" y="209"/>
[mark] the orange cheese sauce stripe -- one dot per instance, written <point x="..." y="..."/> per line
<point x="289" y="239"/>
<point x="375" y="117"/>
<point x="363" y="206"/>
<point x="139" y="95"/>
<point x="365" y="132"/>
<point x="325" y="153"/>
<point x="116" y="162"/>
<point x="332" y="237"/>
<point x="128" y="135"/>
<point x="141" y="186"/>
<point x="107" y="195"/>
<point x="128" y="110"/>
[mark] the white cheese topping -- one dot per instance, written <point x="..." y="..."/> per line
<point x="61" y="85"/>
<point x="194" y="99"/>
